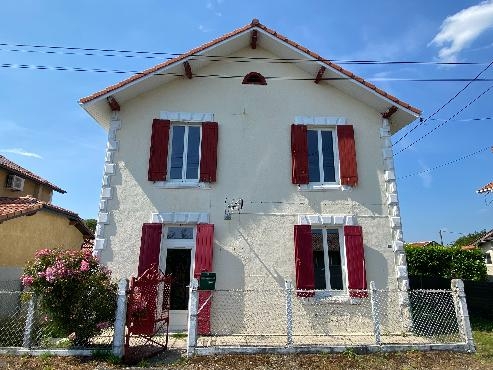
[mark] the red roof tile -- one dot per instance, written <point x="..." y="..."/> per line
<point x="21" y="171"/>
<point x="255" y="23"/>
<point x="25" y="206"/>
<point x="486" y="189"/>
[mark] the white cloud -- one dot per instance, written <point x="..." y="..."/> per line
<point x="20" y="151"/>
<point x="459" y="30"/>
<point x="426" y="177"/>
<point x="208" y="5"/>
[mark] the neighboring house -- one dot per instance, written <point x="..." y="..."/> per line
<point x="277" y="171"/>
<point x="486" y="245"/>
<point x="488" y="188"/>
<point x="430" y="243"/>
<point x="28" y="220"/>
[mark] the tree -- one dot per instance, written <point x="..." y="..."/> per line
<point x="91" y="224"/>
<point x="469" y="239"/>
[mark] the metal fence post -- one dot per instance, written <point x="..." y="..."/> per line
<point x="460" y="303"/>
<point x="193" y="307"/>
<point x="289" y="311"/>
<point x="26" y="341"/>
<point x="120" y="317"/>
<point x="374" y="312"/>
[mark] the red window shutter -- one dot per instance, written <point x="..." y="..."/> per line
<point x="347" y="155"/>
<point x="158" y="156"/>
<point x="303" y="254"/>
<point x="208" y="157"/>
<point x="150" y="246"/>
<point x="299" y="154"/>
<point x="203" y="262"/>
<point x="355" y="257"/>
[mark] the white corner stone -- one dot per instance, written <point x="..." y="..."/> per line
<point x="388" y="163"/>
<point x="99" y="230"/>
<point x="387" y="153"/>
<point x="106" y="192"/>
<point x="401" y="272"/>
<point x="115" y="125"/>
<point x="109" y="169"/>
<point x="112" y="144"/>
<point x="350" y="221"/>
<point x="326" y="220"/>
<point x="384" y="132"/>
<point x="389" y="175"/>
<point x="397" y="246"/>
<point x="108" y="158"/>
<point x="99" y="243"/>
<point x="392" y="199"/>
<point x="395" y="222"/>
<point x="102" y="205"/>
<point x="103" y="217"/>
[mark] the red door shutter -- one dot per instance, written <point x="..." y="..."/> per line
<point x="203" y="262"/>
<point x="355" y="257"/>
<point x="299" y="154"/>
<point x="150" y="245"/>
<point x="347" y="155"/>
<point x="208" y="157"/>
<point x="303" y="255"/>
<point x="158" y="155"/>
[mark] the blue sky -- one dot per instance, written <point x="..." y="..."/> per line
<point x="43" y="129"/>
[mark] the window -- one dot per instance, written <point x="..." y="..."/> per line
<point x="487" y="258"/>
<point x="185" y="153"/>
<point x="254" y="78"/>
<point x="321" y="158"/>
<point x="327" y="259"/>
<point x="323" y="155"/>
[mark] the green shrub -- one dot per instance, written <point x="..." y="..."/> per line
<point x="76" y="292"/>
<point x="446" y="262"/>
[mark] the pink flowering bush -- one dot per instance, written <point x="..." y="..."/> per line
<point x="75" y="290"/>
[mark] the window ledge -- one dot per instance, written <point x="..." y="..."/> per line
<point x="181" y="185"/>
<point x="323" y="187"/>
<point x="324" y="298"/>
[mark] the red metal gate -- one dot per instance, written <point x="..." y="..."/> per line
<point x="147" y="320"/>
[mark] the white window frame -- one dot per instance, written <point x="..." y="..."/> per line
<point x="335" y="149"/>
<point x="328" y="292"/>
<point x="183" y="179"/>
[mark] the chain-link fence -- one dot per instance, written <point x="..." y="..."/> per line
<point x="24" y="324"/>
<point x="286" y="318"/>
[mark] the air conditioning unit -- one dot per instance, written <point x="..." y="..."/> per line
<point x="15" y="182"/>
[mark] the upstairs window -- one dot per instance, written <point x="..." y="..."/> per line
<point x="185" y="153"/>
<point x="321" y="158"/>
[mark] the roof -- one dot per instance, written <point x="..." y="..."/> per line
<point x="21" y="171"/>
<point x="486" y="189"/>
<point x="484" y="239"/>
<point x="27" y="206"/>
<point x="423" y="243"/>
<point x="333" y="70"/>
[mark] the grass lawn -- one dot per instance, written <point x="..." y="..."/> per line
<point x="413" y="360"/>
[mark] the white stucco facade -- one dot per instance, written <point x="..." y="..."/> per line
<point x="254" y="248"/>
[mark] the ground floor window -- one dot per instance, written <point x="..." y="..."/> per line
<point x="328" y="259"/>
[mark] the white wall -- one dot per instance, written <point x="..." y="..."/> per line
<point x="254" y="163"/>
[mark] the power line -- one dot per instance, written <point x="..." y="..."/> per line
<point x="277" y="78"/>
<point x="65" y="50"/>
<point x="464" y="119"/>
<point x="448" y="120"/>
<point x="445" y="164"/>
<point x="421" y="122"/>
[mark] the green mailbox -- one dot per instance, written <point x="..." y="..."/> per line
<point x="207" y="281"/>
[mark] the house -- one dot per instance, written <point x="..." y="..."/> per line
<point x="488" y="188"/>
<point x="259" y="171"/>
<point x="428" y="243"/>
<point x="486" y="245"/>
<point x="29" y="221"/>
